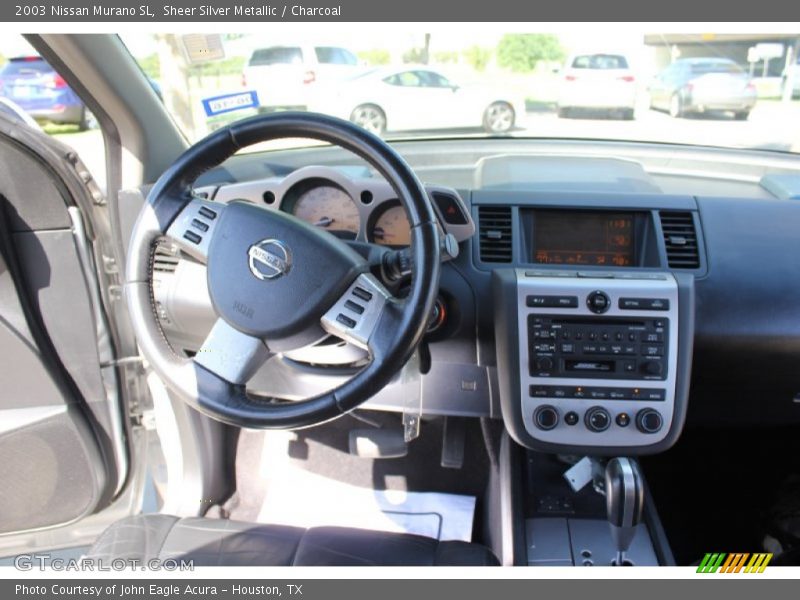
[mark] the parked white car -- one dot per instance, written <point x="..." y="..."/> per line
<point x="284" y="76"/>
<point x="415" y="98"/>
<point x="597" y="82"/>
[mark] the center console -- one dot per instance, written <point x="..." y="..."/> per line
<point x="593" y="333"/>
<point x="597" y="357"/>
<point x="593" y="330"/>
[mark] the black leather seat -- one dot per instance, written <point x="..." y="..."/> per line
<point x="212" y="542"/>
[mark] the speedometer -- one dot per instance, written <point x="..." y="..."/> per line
<point x="391" y="228"/>
<point x="328" y="207"/>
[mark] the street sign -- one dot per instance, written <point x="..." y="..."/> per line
<point x="767" y="51"/>
<point x="218" y="105"/>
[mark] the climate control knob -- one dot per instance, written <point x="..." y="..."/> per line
<point x="649" y="420"/>
<point x="597" y="419"/>
<point x="545" y="417"/>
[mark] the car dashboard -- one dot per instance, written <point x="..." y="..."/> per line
<point x="596" y="305"/>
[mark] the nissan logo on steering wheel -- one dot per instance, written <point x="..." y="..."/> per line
<point x="269" y="259"/>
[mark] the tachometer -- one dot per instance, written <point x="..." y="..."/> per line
<point x="329" y="207"/>
<point x="391" y="228"/>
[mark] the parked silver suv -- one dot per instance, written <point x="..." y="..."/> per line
<point x="702" y="85"/>
<point x="284" y="76"/>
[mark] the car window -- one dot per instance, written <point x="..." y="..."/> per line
<point x="600" y="61"/>
<point x="331" y="55"/>
<point x="277" y="56"/>
<point x="715" y="67"/>
<point x="404" y="79"/>
<point x="431" y="79"/>
<point x="557" y="83"/>
<point x="33" y="92"/>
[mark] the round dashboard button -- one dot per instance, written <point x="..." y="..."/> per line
<point x="597" y="419"/>
<point x="623" y="419"/>
<point x="545" y="417"/>
<point x="652" y="367"/>
<point x="571" y="418"/>
<point x="598" y="302"/>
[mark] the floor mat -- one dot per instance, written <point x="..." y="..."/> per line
<point x="273" y="486"/>
<point x="708" y="502"/>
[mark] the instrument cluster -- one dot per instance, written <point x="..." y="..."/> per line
<point x="364" y="209"/>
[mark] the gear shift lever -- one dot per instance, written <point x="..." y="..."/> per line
<point x="624" y="503"/>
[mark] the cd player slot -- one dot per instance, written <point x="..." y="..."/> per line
<point x="598" y="347"/>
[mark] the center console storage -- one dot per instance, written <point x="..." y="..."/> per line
<point x="564" y="527"/>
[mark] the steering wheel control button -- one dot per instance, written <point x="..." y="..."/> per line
<point x="598" y="302"/>
<point x="545" y="417"/>
<point x="597" y="419"/>
<point x="193" y="237"/>
<point x="649" y="420"/>
<point x="207" y="213"/>
<point x="362" y="294"/>
<point x="571" y="418"/>
<point x="345" y="320"/>
<point x="354" y="306"/>
<point x="198" y="224"/>
<point x="623" y="419"/>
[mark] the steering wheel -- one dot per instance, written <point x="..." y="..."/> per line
<point x="277" y="283"/>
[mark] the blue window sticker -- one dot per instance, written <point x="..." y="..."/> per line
<point x="218" y="105"/>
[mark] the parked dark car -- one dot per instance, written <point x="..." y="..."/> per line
<point x="703" y="85"/>
<point x="35" y="86"/>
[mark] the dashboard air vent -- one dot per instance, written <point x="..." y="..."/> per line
<point x="495" y="234"/>
<point x="165" y="260"/>
<point x="680" y="239"/>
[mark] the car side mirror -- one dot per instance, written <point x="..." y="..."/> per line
<point x="556" y="70"/>
<point x="455" y="87"/>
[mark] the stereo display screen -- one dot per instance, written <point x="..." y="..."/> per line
<point x="596" y="238"/>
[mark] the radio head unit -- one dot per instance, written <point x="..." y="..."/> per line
<point x="589" y="361"/>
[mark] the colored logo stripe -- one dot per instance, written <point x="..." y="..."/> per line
<point x="734" y="563"/>
<point x="758" y="563"/>
<point x="711" y="562"/>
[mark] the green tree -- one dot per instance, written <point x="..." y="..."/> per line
<point x="150" y="65"/>
<point x="478" y="57"/>
<point x="414" y="56"/>
<point x="375" y="57"/>
<point x="520" y="52"/>
<point x="445" y="57"/>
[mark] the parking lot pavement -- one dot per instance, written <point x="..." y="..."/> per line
<point x="772" y="125"/>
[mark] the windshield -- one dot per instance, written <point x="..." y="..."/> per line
<point x="641" y="85"/>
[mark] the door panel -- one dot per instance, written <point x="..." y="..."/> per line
<point x="58" y="407"/>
